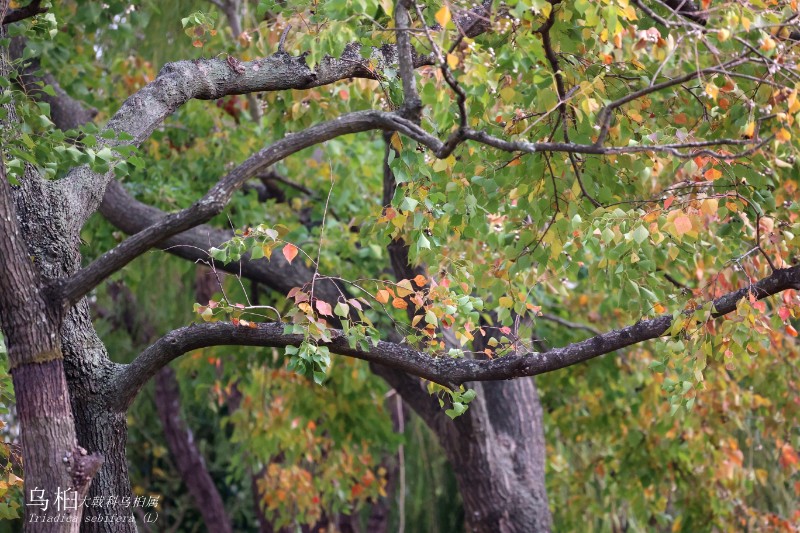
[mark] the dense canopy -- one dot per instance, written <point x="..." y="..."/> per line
<point x="445" y="195"/>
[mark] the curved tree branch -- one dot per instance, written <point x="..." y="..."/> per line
<point x="447" y="371"/>
<point x="70" y="290"/>
<point x="209" y="79"/>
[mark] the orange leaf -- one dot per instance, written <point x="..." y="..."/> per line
<point x="791" y="331"/>
<point x="788" y="456"/>
<point x="420" y="280"/>
<point x="399" y="303"/>
<point x="712" y="174"/>
<point x="783" y="135"/>
<point x="668" y="202"/>
<point x="290" y="252"/>
<point x="382" y="296"/>
<point x="683" y="224"/>
<point x="680" y="118"/>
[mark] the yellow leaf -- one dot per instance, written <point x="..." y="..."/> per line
<point x="397" y="142"/>
<point x="783" y="135"/>
<point x="506" y="302"/>
<point x="793" y="102"/>
<point x="749" y="130"/>
<point x="723" y="35"/>
<point x="712" y="90"/>
<point x="746" y="23"/>
<point x="709" y="206"/>
<point x="590" y="106"/>
<point x="630" y="13"/>
<point x="443" y="16"/>
<point x="388" y="6"/>
<point x="404" y="288"/>
<point x="452" y="60"/>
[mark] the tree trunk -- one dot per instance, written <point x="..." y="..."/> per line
<point x="497" y="447"/>
<point x="188" y="459"/>
<point x="57" y="471"/>
<point x="497" y="450"/>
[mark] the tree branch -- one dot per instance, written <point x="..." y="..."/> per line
<point x="132" y="216"/>
<point x="447" y="371"/>
<point x="209" y="79"/>
<point x="70" y="290"/>
<point x="412" y="105"/>
<point x="22" y="13"/>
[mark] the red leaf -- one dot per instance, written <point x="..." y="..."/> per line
<point x="784" y="313"/>
<point x="290" y="252"/>
<point x="668" y="202"/>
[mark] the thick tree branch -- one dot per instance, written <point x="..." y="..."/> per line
<point x="209" y="79"/>
<point x="70" y="290"/>
<point x="132" y="216"/>
<point x="22" y="13"/>
<point x="446" y="371"/>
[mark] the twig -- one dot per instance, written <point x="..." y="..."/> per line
<point x="282" y="40"/>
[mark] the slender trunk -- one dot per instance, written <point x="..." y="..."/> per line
<point x="187" y="457"/>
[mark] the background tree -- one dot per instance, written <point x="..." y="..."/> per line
<point x="451" y="194"/>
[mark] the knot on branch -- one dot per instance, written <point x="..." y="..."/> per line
<point x="83" y="467"/>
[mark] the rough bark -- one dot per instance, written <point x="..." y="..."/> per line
<point x="55" y="466"/>
<point x="498" y="456"/>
